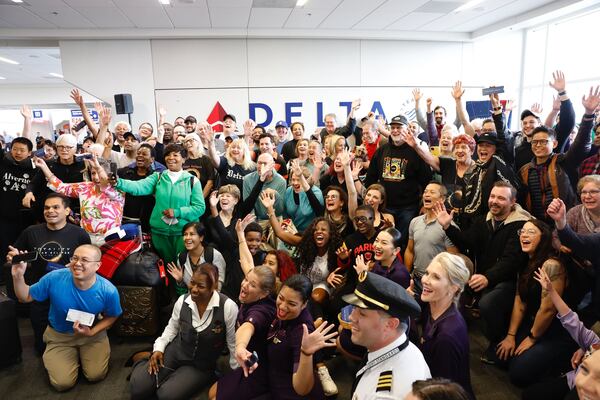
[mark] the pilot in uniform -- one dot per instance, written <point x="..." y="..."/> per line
<point x="393" y="363"/>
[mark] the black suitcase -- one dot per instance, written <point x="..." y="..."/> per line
<point x="140" y="311"/>
<point x="10" y="350"/>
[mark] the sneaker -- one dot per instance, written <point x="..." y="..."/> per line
<point x="489" y="356"/>
<point x="329" y="386"/>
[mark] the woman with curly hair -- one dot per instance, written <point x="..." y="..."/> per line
<point x="316" y="256"/>
<point x="536" y="343"/>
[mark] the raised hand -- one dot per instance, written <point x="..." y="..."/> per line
<point x="317" y="339"/>
<point x="356" y="168"/>
<point x="510" y="105"/>
<point x="249" y="125"/>
<point x="495" y="100"/>
<point x="592" y="102"/>
<point x="355" y="104"/>
<point x="175" y="271"/>
<point x="536" y="108"/>
<point x="342" y="252"/>
<point x="162" y="111"/>
<point x="267" y="199"/>
<point x="295" y="167"/>
<point x="77" y="98"/>
<point x="105" y="116"/>
<point x="360" y="264"/>
<point x="558" y="212"/>
<point x="409" y="139"/>
<point x="26" y="112"/>
<point x="443" y="217"/>
<point x="542" y="277"/>
<point x="577" y="358"/>
<point x="429" y="102"/>
<point x="213" y="199"/>
<point x="417" y="95"/>
<point x="558" y="82"/>
<point x="457" y="90"/>
<point x="241" y="224"/>
<point x="334" y="279"/>
<point x="345" y="157"/>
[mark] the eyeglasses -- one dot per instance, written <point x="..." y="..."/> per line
<point x="528" y="232"/>
<point x="61" y="147"/>
<point x="362" y="220"/>
<point x="590" y="192"/>
<point x="540" y="142"/>
<point x="83" y="261"/>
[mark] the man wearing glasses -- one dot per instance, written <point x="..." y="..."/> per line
<point x="77" y="296"/>
<point x="54" y="242"/>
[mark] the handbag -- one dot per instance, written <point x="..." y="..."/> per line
<point x="140" y="268"/>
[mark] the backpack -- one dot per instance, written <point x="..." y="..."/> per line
<point x="209" y="252"/>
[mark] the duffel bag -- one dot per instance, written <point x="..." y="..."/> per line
<point x="139" y="269"/>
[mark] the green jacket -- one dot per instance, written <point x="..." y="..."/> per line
<point x="185" y="197"/>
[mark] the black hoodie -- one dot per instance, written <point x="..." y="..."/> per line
<point x="16" y="176"/>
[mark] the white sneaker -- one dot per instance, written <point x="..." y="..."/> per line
<point x="329" y="386"/>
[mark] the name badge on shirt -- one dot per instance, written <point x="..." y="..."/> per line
<point x="84" y="318"/>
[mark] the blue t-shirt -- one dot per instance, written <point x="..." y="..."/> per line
<point x="58" y="286"/>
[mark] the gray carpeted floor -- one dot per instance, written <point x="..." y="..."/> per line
<point x="28" y="379"/>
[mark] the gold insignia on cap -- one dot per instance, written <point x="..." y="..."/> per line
<point x="362" y="276"/>
<point x="371" y="300"/>
<point x="384" y="383"/>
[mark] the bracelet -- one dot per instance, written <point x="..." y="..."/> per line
<point x="510" y="334"/>
<point x="562" y="93"/>
<point x="241" y="241"/>
<point x="356" y="180"/>
<point x="305" y="353"/>
<point x="497" y="108"/>
<point x="591" y="116"/>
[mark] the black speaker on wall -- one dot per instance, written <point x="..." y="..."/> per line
<point x="124" y="103"/>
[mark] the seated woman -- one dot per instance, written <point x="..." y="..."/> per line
<point x="544" y="346"/>
<point x="179" y="200"/>
<point x="386" y="248"/>
<point x="292" y="342"/>
<point x="101" y="205"/>
<point x="445" y="341"/>
<point x="556" y="388"/>
<point x="184" y="357"/>
<point x="257" y="311"/>
<point x="196" y="253"/>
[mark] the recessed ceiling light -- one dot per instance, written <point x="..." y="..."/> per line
<point x="164" y="2"/>
<point x="468" y="5"/>
<point x="17" y="1"/>
<point x="301" y="3"/>
<point x="1" y="77"/>
<point x="8" y="61"/>
<point x="55" y="75"/>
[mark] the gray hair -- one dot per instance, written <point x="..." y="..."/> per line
<point x="455" y="267"/>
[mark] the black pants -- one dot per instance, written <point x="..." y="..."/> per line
<point x="38" y="314"/>
<point x="495" y="307"/>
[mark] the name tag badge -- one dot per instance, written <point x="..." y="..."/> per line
<point x="84" y="318"/>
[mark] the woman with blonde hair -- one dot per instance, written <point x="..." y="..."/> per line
<point x="445" y="341"/>
<point x="234" y="164"/>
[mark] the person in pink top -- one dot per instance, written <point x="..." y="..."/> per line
<point x="101" y="204"/>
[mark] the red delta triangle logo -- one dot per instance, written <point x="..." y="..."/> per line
<point x="215" y="118"/>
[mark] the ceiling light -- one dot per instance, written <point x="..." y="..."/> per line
<point x="55" y="75"/>
<point x="9" y="61"/>
<point x="164" y="2"/>
<point x="1" y="77"/>
<point x="468" y="5"/>
<point x="301" y="3"/>
<point x="17" y="1"/>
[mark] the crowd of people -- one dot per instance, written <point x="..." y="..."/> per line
<point x="373" y="240"/>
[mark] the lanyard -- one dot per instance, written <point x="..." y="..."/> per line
<point x="377" y="361"/>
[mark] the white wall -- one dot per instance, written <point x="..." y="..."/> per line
<point x="189" y="76"/>
<point x="103" y="68"/>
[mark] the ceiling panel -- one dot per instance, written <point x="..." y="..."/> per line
<point x="511" y="9"/>
<point x="230" y="3"/>
<point x="137" y="3"/>
<point x="105" y="17"/>
<point x="268" y="17"/>
<point x="22" y="18"/>
<point x="349" y="13"/>
<point x="229" y="17"/>
<point x="60" y="15"/>
<point x="456" y="18"/>
<point x="311" y="15"/>
<point x="35" y="64"/>
<point x="388" y="13"/>
<point x="189" y="15"/>
<point x="90" y="3"/>
<point x="413" y="21"/>
<point x="147" y="17"/>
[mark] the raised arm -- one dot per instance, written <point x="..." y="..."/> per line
<point x="18" y="273"/>
<point x="27" y="121"/>
<point x="349" y="181"/>
<point x="457" y="93"/>
<point x="303" y="377"/>
<point x="104" y="136"/>
<point x="208" y="138"/>
<point x="78" y="99"/>
<point x="583" y="141"/>
<point x="267" y="198"/>
<point x="246" y="261"/>
<point x="565" y="107"/>
<point x="417" y="95"/>
<point x="432" y="133"/>
<point x="430" y="159"/>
